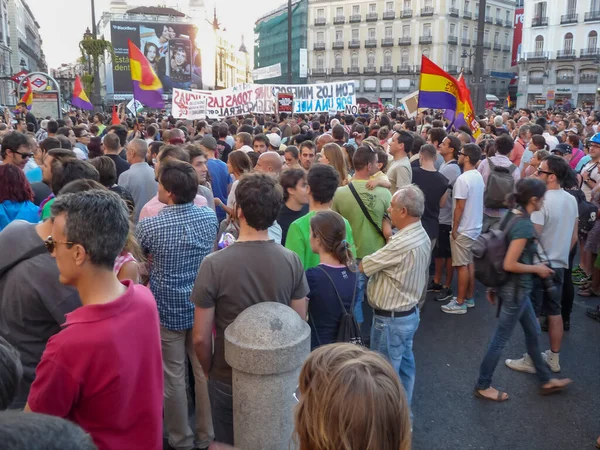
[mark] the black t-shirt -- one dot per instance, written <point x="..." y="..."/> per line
<point x="224" y="149"/>
<point x="285" y="218"/>
<point x="41" y="191"/>
<point x="123" y="154"/>
<point x="433" y="185"/>
<point x="415" y="164"/>
<point x="121" y="164"/>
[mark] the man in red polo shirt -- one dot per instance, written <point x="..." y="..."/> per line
<point x="103" y="371"/>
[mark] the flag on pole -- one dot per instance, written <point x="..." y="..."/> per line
<point x="438" y="89"/>
<point x="28" y="96"/>
<point x="147" y="88"/>
<point x="115" y="116"/>
<point x="80" y="98"/>
<point x="465" y="113"/>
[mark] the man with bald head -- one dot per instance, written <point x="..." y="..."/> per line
<point x="139" y="179"/>
<point x="176" y="137"/>
<point x="269" y="163"/>
<point x="323" y="140"/>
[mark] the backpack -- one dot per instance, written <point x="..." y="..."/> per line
<point x="587" y="212"/>
<point x="499" y="184"/>
<point x="348" y="331"/>
<point x="489" y="250"/>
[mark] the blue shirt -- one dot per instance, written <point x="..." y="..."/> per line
<point x="177" y="240"/>
<point x="582" y="162"/>
<point x="219" y="178"/>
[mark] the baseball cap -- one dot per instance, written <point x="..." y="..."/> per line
<point x="563" y="149"/>
<point x="209" y="142"/>
<point x="274" y="140"/>
<point x="573" y="130"/>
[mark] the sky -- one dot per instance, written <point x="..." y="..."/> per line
<point x="61" y="36"/>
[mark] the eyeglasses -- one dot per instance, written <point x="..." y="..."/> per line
<point x="461" y="154"/>
<point x="50" y="244"/>
<point x="25" y="155"/>
<point x="543" y="171"/>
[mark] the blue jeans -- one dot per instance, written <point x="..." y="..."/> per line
<point x="361" y="288"/>
<point x="393" y="338"/>
<point x="516" y="307"/>
<point x="221" y="402"/>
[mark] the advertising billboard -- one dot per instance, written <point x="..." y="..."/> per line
<point x="517" y="35"/>
<point x="169" y="47"/>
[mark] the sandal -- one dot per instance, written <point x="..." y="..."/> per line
<point x="555" y="389"/>
<point x="501" y="397"/>
<point x="594" y="314"/>
<point x="587" y="293"/>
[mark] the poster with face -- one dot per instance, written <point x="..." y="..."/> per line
<point x="179" y="60"/>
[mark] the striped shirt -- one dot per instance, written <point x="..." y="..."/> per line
<point x="398" y="271"/>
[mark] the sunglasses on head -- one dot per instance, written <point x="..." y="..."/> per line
<point x="51" y="244"/>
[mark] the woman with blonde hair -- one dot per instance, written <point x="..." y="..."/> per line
<point x="332" y="155"/>
<point x="350" y="398"/>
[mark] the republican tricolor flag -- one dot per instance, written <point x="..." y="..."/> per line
<point x="80" y="98"/>
<point x="147" y="88"/>
<point x="28" y="96"/>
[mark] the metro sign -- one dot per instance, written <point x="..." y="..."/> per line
<point x="18" y="77"/>
<point x="39" y="83"/>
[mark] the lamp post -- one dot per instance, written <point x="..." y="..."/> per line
<point x="478" y="85"/>
<point x="464" y="57"/>
<point x="96" y="99"/>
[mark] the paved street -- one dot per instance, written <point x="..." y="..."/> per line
<point x="449" y="350"/>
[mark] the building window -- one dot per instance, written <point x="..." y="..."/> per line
<point x="389" y="6"/>
<point x="498" y="13"/>
<point x="427" y="29"/>
<point x="508" y="19"/>
<point x="428" y="3"/>
<point x="320" y="36"/>
<point x="372" y="7"/>
<point x="404" y="59"/>
<point x="388" y="32"/>
<point x="592" y="40"/>
<point x="387" y="59"/>
<point x="355" y="10"/>
<point x="354" y="60"/>
<point x="371" y="33"/>
<point x="339" y="11"/>
<point x="594" y="5"/>
<point x="320" y="64"/>
<point x="355" y="34"/>
<point x="539" y="44"/>
<point x="497" y="37"/>
<point x="475" y="35"/>
<point x="486" y="36"/>
<point x="506" y="42"/>
<point x="405" y="31"/>
<point x="494" y="63"/>
<point x="504" y="60"/>
<point x="451" y="57"/>
<point x="540" y="10"/>
<point x="320" y="13"/>
<point x="568" y="44"/>
<point x="371" y="60"/>
<point x="452" y="29"/>
<point x="339" y="35"/>
<point x="338" y="61"/>
<point x="467" y="5"/>
<point x="571" y="7"/>
<point x="488" y="10"/>
<point x="406" y="4"/>
<point x="465" y="34"/>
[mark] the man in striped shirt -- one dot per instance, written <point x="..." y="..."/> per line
<point x="398" y="273"/>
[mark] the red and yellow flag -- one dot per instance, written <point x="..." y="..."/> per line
<point x="28" y="96"/>
<point x="80" y="98"/>
<point x="147" y="88"/>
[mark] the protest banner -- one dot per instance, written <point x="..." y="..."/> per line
<point x="181" y="100"/>
<point x="285" y="102"/>
<point x="410" y="104"/>
<point x="197" y="109"/>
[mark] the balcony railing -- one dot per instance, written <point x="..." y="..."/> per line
<point x="539" y="21"/>
<point x="452" y="69"/>
<point x="506" y="48"/>
<point x="537" y="55"/>
<point x="417" y="69"/>
<point x="467" y="15"/>
<point x="319" y="21"/>
<point x="370" y="43"/>
<point x="569" y="18"/>
<point x="536" y="80"/>
<point x="405" y="40"/>
<point x="339" y="20"/>
<point x="453" y="12"/>
<point x="466" y="42"/>
<point x="427" y="11"/>
<point x="406" y="14"/>
<point x="489" y="19"/>
<point x="425" y="40"/>
<point x="509" y="24"/>
<point x="565" y="80"/>
<point x="354" y="44"/>
<point x="353" y="70"/>
<point x="589" y="53"/>
<point x="487" y="44"/>
<point x="566" y="54"/>
<point x="588" y="78"/>
<point x="387" y="42"/>
<point x="355" y="18"/>
<point x="404" y="69"/>
<point x="387" y="88"/>
<point x="319" y="71"/>
<point x="452" y="40"/>
<point x="389" y="15"/>
<point x="499" y="21"/>
<point x="372" y="17"/>
<point x="319" y="46"/>
<point x="497" y="46"/>
<point x="337" y="71"/>
<point x="370" y="70"/>
<point x="592" y="15"/>
<point x="386" y="69"/>
<point x="338" y="45"/>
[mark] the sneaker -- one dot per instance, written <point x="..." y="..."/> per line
<point x="444" y="295"/>
<point x="581" y="281"/>
<point x="434" y="287"/>
<point x="470" y="302"/>
<point x="454" y="308"/>
<point x="552" y="360"/>
<point x="577" y="270"/>
<point x="525" y="364"/>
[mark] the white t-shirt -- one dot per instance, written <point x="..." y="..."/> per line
<point x="592" y="169"/>
<point x="558" y="217"/>
<point x="470" y="187"/>
<point x="231" y="196"/>
<point x="550" y="140"/>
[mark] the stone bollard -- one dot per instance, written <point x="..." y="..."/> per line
<point x="265" y="346"/>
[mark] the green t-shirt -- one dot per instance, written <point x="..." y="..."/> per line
<point x="47" y="210"/>
<point x="523" y="229"/>
<point x="298" y="240"/>
<point x="377" y="201"/>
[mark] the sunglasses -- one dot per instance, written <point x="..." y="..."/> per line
<point x="25" y="155"/>
<point x="543" y="171"/>
<point x="51" y="244"/>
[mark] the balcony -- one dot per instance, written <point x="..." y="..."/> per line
<point x="417" y="69"/>
<point x="592" y="16"/>
<point x="466" y="42"/>
<point x="540" y="55"/>
<point x="569" y="18"/>
<point x="539" y="21"/>
<point x="489" y="19"/>
<point x="386" y="69"/>
<point x="467" y="15"/>
<point x="425" y="40"/>
<point x="506" y="48"/>
<point x="354" y="18"/>
<point x="476" y="18"/>
<point x="370" y="43"/>
<point x="452" y="69"/>
<point x="337" y="71"/>
<point x="588" y="78"/>
<point x="319" y="46"/>
<point x="406" y="14"/>
<point x="536" y="80"/>
<point x="387" y="88"/>
<point x="487" y="45"/>
<point x="387" y="42"/>
<point x="453" y="12"/>
<point x="566" y="54"/>
<point x="590" y="53"/>
<point x="355" y="43"/>
<point x="509" y="24"/>
<point x="338" y="45"/>
<point x="404" y="69"/>
<point x="320" y="21"/>
<point x="370" y="70"/>
<point x="427" y="11"/>
<point x="499" y="21"/>
<point x="372" y="17"/>
<point x="497" y="47"/>
<point x="452" y="40"/>
<point x="337" y="20"/>
<point x="389" y="15"/>
<point x="565" y="80"/>
<point x="353" y="70"/>
<point x="318" y="71"/>
<point x="406" y="40"/>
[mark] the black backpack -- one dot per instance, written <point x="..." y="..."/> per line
<point x="499" y="184"/>
<point x="348" y="331"/>
<point x="587" y="212"/>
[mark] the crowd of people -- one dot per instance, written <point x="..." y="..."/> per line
<point x="126" y="250"/>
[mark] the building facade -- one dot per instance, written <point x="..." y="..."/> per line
<point x="65" y="76"/>
<point x="379" y="43"/>
<point x="6" y="86"/>
<point x="560" y="55"/>
<point x="25" y="40"/>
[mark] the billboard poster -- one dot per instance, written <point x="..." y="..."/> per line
<point x="517" y="35"/>
<point x="169" y="47"/>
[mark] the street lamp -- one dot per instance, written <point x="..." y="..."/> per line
<point x="464" y="57"/>
<point x="23" y="64"/>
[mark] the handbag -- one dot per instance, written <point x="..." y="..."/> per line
<point x="365" y="211"/>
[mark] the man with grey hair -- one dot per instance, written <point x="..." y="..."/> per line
<point x="499" y="124"/>
<point x="398" y="275"/>
<point x="139" y="180"/>
<point x="521" y="155"/>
